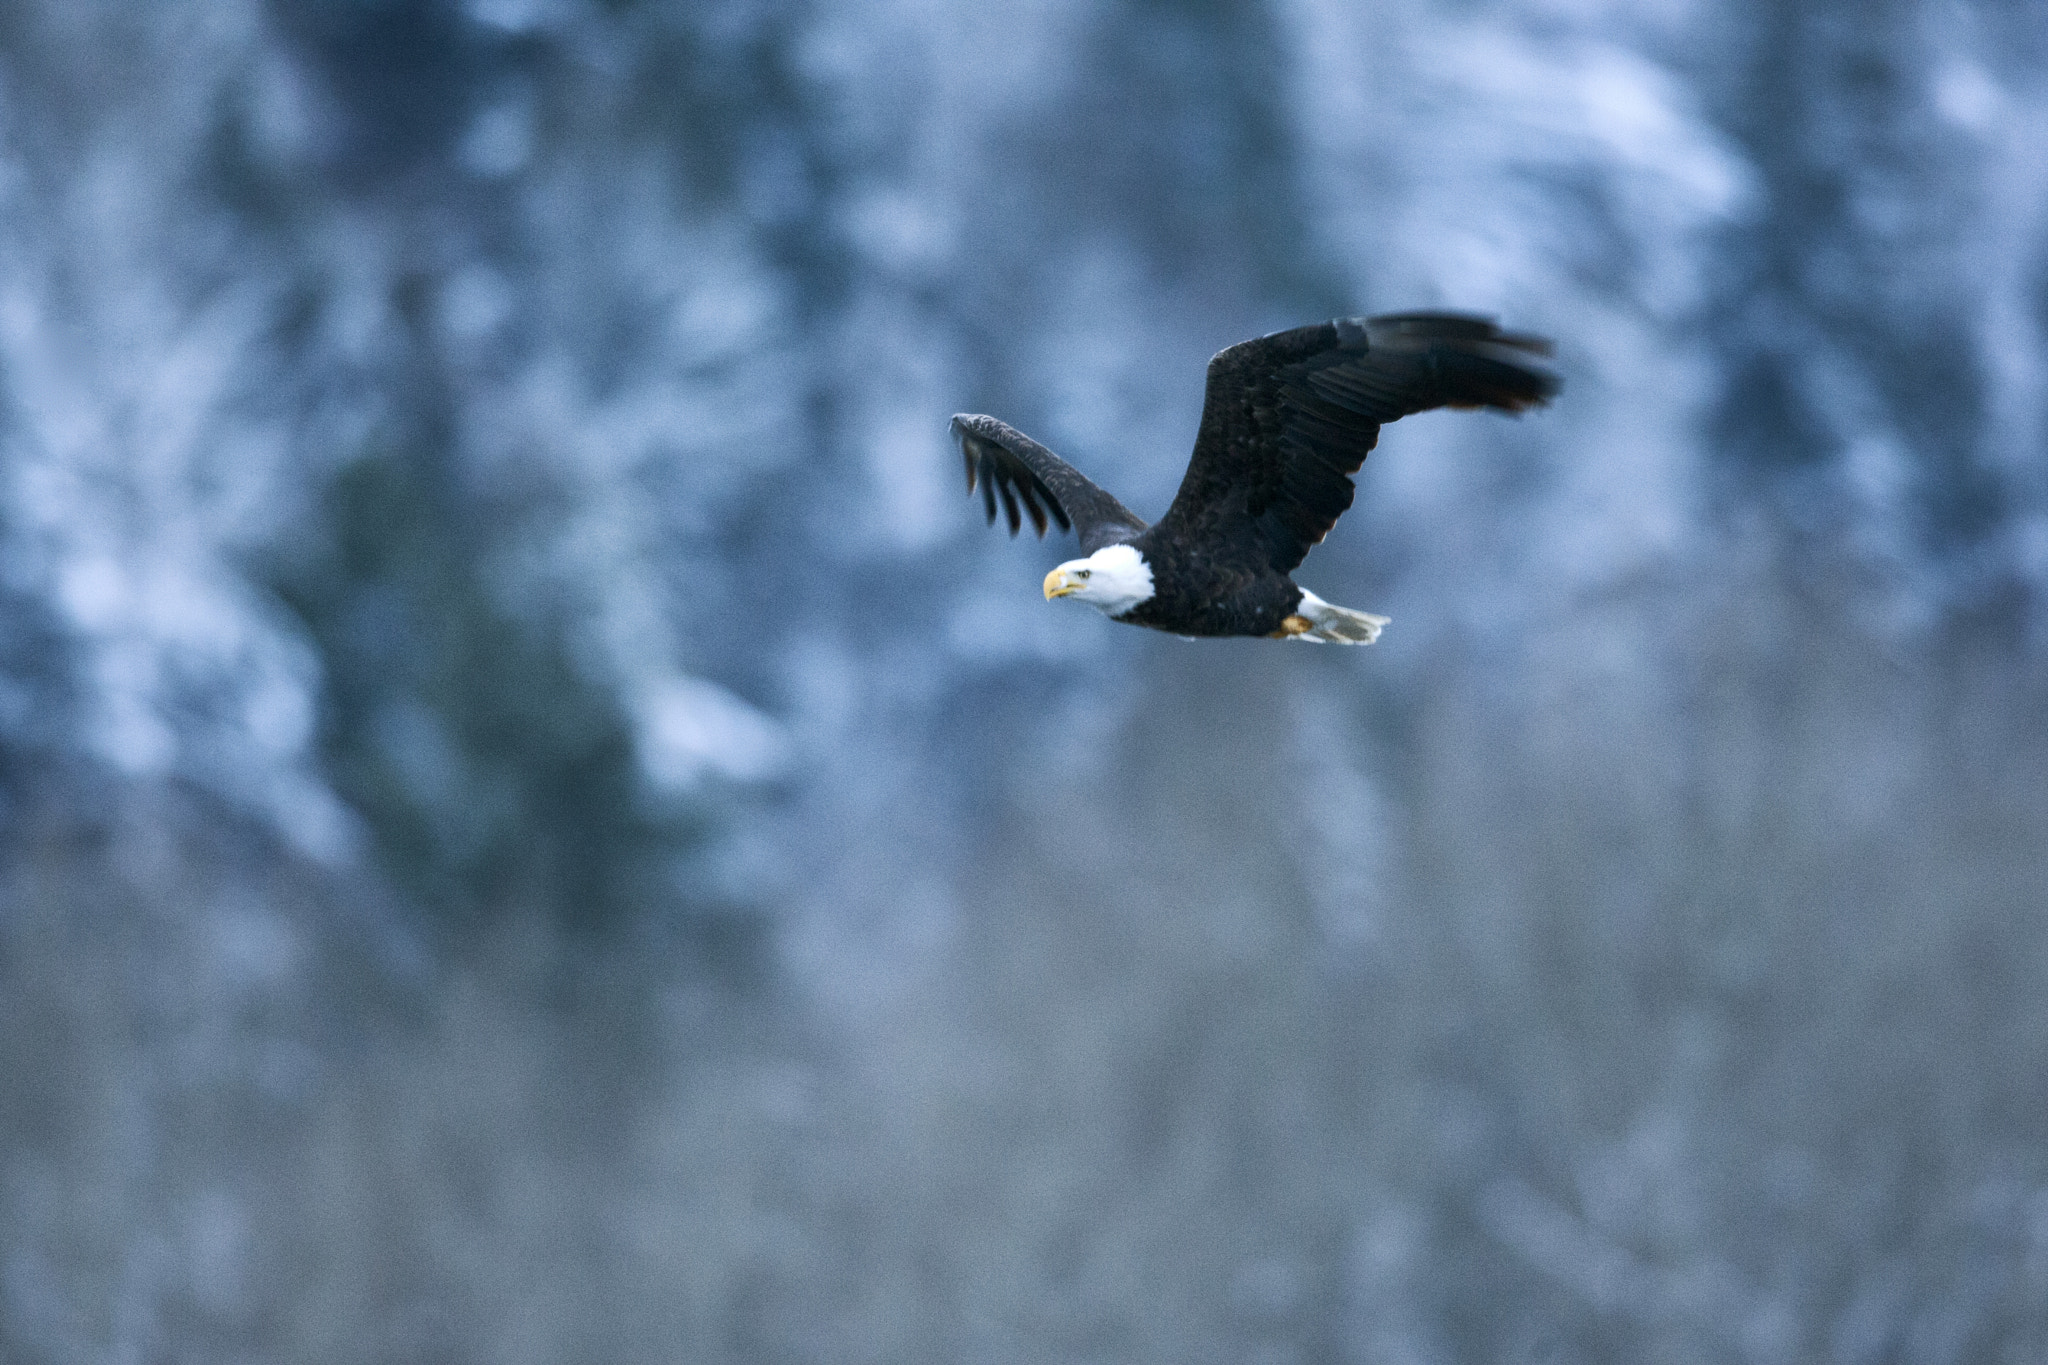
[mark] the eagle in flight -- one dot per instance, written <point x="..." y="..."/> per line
<point x="1287" y="419"/>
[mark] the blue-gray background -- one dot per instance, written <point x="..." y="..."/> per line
<point x="539" y="826"/>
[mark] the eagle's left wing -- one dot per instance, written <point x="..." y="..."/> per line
<point x="1288" y="418"/>
<point x="1007" y="464"/>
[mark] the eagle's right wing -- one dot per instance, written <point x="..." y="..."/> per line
<point x="1008" y="465"/>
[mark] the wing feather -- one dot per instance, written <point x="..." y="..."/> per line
<point x="1030" y="480"/>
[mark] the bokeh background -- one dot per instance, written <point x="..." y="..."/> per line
<point x="536" y="824"/>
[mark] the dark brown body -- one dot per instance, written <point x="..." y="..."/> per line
<point x="1194" y="595"/>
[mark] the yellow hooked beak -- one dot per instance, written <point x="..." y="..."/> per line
<point x="1057" y="584"/>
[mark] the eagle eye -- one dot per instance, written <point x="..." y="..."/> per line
<point x="1084" y="573"/>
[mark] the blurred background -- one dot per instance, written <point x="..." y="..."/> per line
<point x="537" y="825"/>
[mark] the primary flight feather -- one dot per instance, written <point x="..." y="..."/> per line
<point x="1287" y="419"/>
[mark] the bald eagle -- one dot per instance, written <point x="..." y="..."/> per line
<point x="1286" y="420"/>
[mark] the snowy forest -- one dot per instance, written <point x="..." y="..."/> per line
<point x="538" y="826"/>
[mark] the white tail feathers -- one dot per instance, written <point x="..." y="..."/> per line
<point x="1337" y="625"/>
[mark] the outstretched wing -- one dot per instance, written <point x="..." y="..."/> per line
<point x="1010" y="466"/>
<point x="1288" y="418"/>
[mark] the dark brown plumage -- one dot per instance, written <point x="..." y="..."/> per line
<point x="1286" y="420"/>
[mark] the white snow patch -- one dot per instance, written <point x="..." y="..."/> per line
<point x="691" y="729"/>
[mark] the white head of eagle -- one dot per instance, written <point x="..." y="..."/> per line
<point x="1114" y="579"/>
